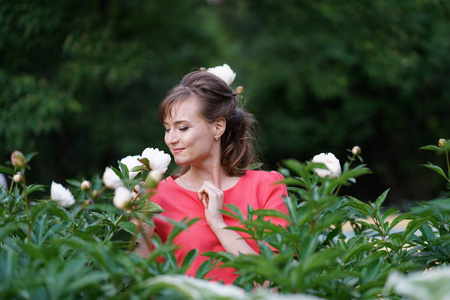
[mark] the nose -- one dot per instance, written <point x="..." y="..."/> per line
<point x="171" y="137"/>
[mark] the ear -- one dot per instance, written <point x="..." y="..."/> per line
<point x="219" y="127"/>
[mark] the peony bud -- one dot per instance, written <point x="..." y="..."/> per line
<point x="442" y="142"/>
<point x="17" y="178"/>
<point x="122" y="197"/>
<point x="137" y="188"/>
<point x="18" y="159"/>
<point x="240" y="90"/>
<point x="85" y="185"/>
<point x="356" y="150"/>
<point x="331" y="162"/>
<point x="95" y="194"/>
<point x="154" y="177"/>
<point x="88" y="202"/>
<point x="203" y="69"/>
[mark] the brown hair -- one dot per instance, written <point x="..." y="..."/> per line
<point x="218" y="100"/>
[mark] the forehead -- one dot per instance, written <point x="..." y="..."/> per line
<point x="187" y="110"/>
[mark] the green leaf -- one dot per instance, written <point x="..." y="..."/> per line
<point x="435" y="168"/>
<point x="35" y="188"/>
<point x="145" y="162"/>
<point x="149" y="207"/>
<point x="79" y="283"/>
<point x="294" y="165"/>
<point x="129" y="227"/>
<point x="189" y="258"/>
<point x="6" y="170"/>
<point x="430" y="147"/>
<point x="388" y="213"/>
<point x="237" y="212"/>
<point x="33" y="251"/>
<point x="359" y="248"/>
<point x="74" y="182"/>
<point x="138" y="169"/>
<point x="271" y="213"/>
<point x="125" y="171"/>
<point x="29" y="156"/>
<point x="397" y="220"/>
<point x="60" y="212"/>
<point x="380" y="200"/>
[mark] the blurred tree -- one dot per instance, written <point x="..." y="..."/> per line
<point x="327" y="75"/>
<point x="81" y="81"/>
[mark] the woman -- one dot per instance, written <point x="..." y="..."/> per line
<point x="209" y="137"/>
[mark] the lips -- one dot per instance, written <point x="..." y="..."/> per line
<point x="177" y="150"/>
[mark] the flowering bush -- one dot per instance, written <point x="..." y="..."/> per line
<point x="79" y="246"/>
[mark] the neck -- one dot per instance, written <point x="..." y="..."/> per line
<point x="217" y="176"/>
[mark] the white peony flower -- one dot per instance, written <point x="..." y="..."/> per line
<point x="223" y="72"/>
<point x="158" y="160"/>
<point x="331" y="162"/>
<point x="418" y="285"/>
<point x="61" y="195"/>
<point x="110" y="179"/>
<point x="122" y="196"/>
<point x="131" y="162"/>
<point x="195" y="288"/>
<point x="3" y="184"/>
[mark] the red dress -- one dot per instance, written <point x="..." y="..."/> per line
<point x="255" y="188"/>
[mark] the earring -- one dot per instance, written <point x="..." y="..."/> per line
<point x="216" y="138"/>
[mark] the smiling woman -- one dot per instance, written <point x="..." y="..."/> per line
<point x="210" y="139"/>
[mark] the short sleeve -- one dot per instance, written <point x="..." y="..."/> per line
<point x="275" y="191"/>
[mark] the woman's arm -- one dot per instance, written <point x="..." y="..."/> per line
<point x="212" y="198"/>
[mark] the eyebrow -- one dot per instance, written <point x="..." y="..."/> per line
<point x="178" y="122"/>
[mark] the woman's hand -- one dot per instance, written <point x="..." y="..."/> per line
<point x="212" y="198"/>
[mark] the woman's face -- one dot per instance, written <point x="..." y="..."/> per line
<point x="188" y="136"/>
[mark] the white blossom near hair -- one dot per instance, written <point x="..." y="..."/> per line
<point x="131" y="161"/>
<point x="331" y="162"/>
<point x="110" y="179"/>
<point x="434" y="284"/>
<point x="223" y="72"/>
<point x="61" y="195"/>
<point x="158" y="160"/>
<point x="122" y="196"/>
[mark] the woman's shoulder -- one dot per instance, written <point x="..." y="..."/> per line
<point x="264" y="175"/>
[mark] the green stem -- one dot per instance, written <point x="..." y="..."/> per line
<point x="141" y="231"/>
<point x="27" y="207"/>
<point x="114" y="231"/>
<point x="384" y="237"/>
<point x="349" y="164"/>
<point x="448" y="162"/>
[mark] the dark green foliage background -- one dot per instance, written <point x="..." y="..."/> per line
<point x="80" y="81"/>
